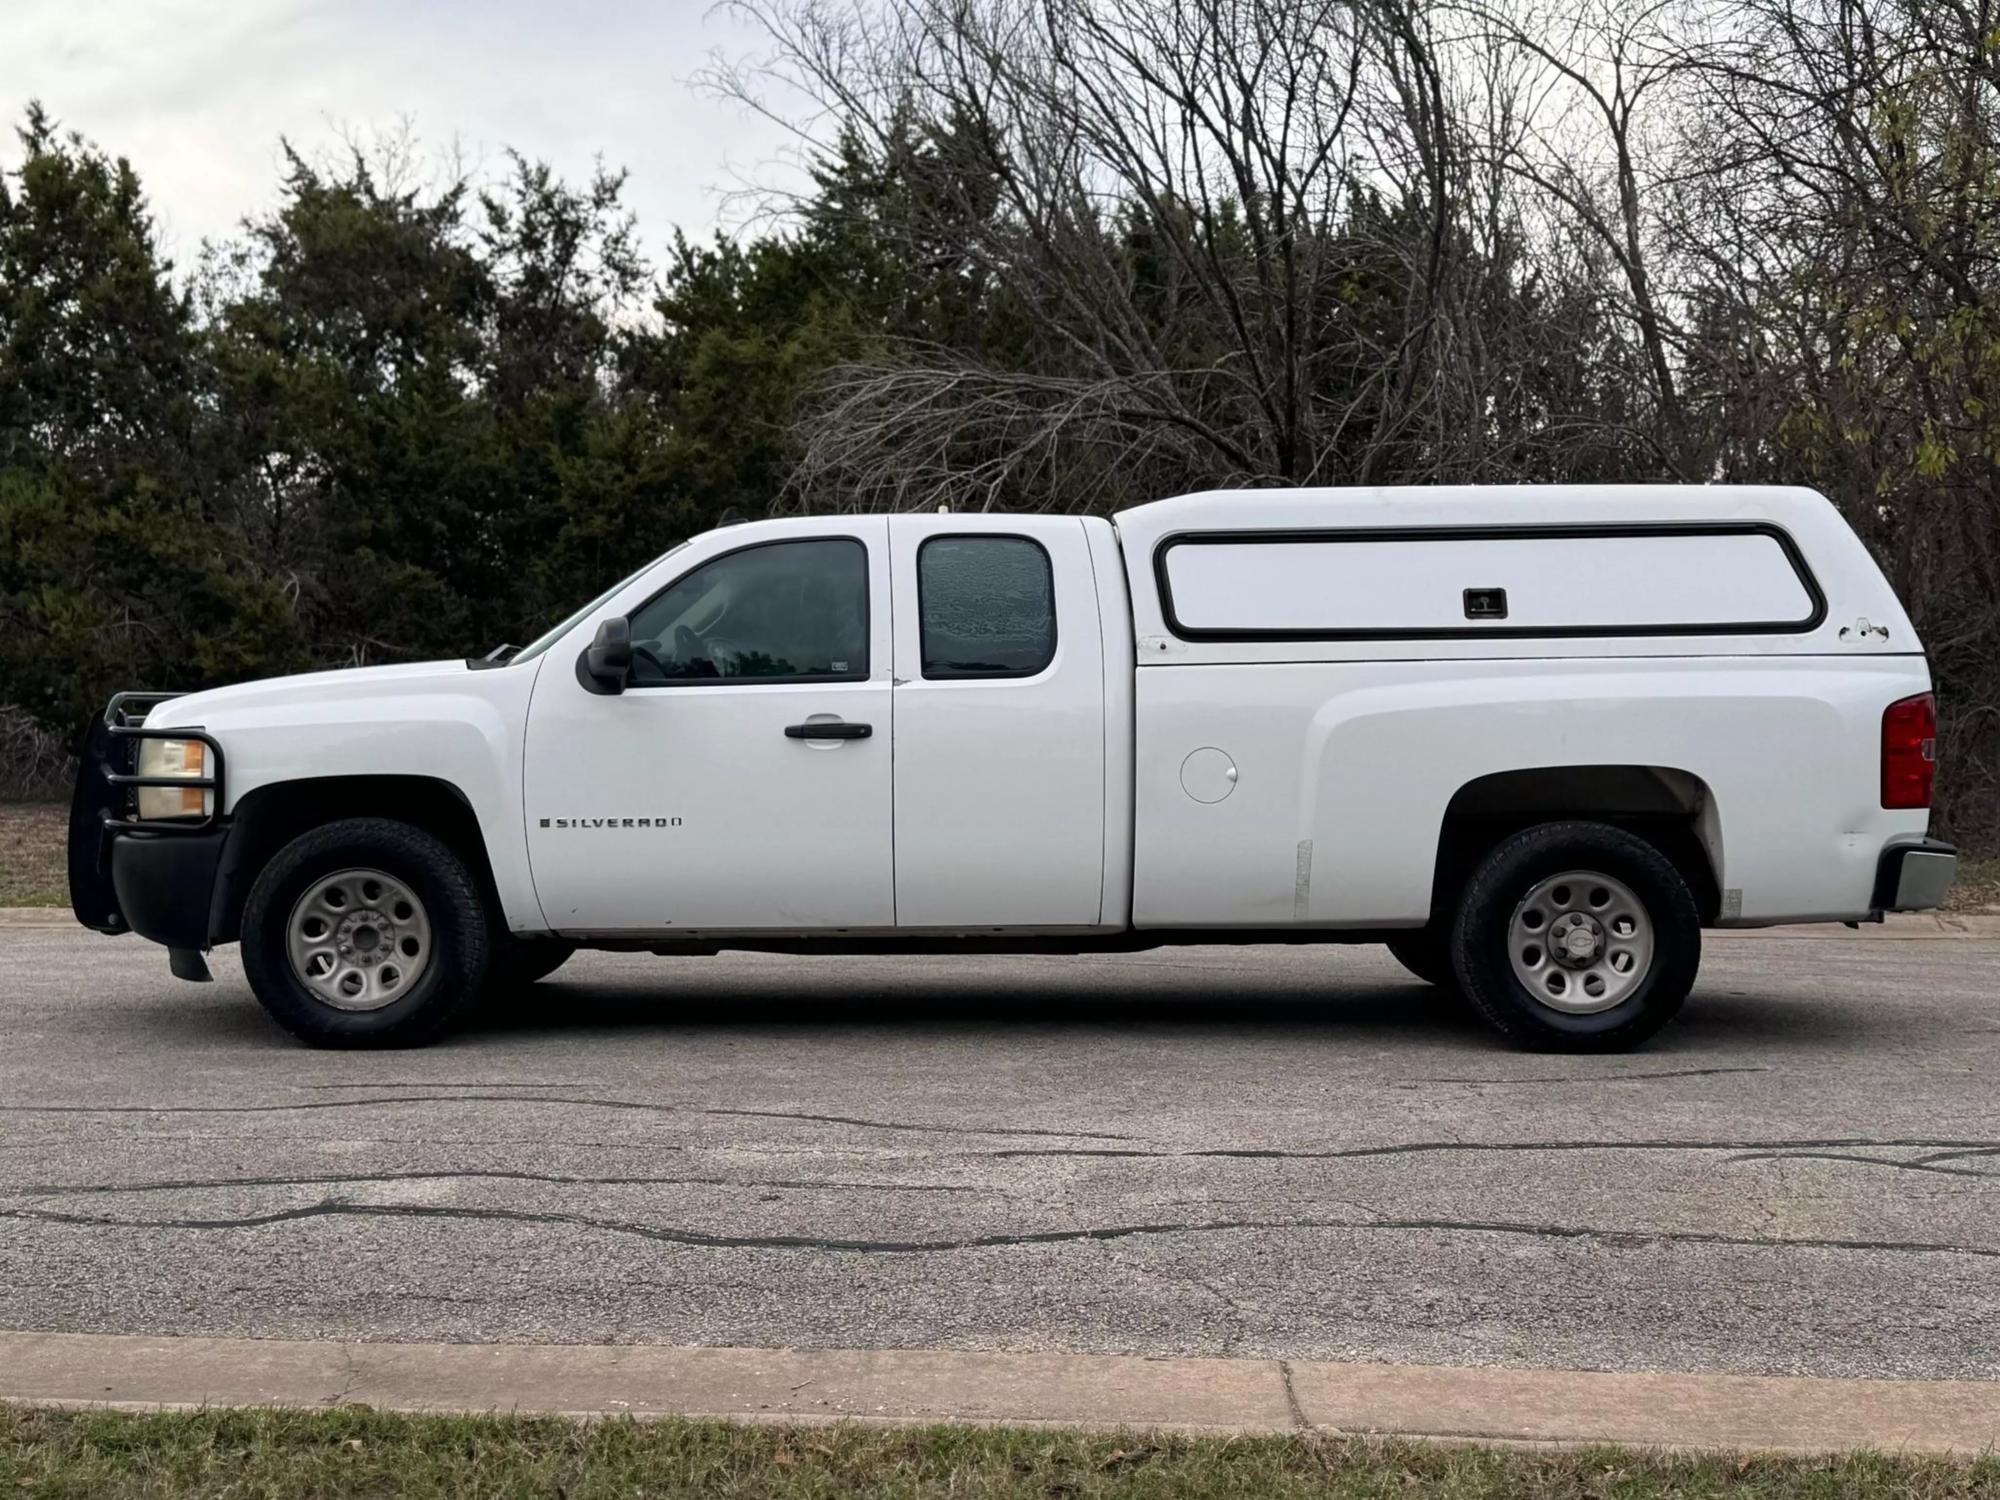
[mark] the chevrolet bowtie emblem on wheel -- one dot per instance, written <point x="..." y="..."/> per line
<point x="611" y="822"/>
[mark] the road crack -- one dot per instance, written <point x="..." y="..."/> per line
<point x="643" y="1106"/>
<point x="67" y="1190"/>
<point x="1922" y="1164"/>
<point x="1587" y="1077"/>
<point x="1420" y="1148"/>
<point x="693" y="1238"/>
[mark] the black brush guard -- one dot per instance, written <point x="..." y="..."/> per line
<point x="105" y="803"/>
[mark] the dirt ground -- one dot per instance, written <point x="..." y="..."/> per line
<point x="32" y="860"/>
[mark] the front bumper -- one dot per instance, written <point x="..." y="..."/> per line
<point x="165" y="884"/>
<point x="1914" y="877"/>
<point x="128" y="875"/>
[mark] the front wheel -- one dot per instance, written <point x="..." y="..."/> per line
<point x="365" y="933"/>
<point x="1576" y="937"/>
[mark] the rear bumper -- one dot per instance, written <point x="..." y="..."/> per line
<point x="1914" y="877"/>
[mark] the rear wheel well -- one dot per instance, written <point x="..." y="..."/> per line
<point x="269" y="817"/>
<point x="1671" y="809"/>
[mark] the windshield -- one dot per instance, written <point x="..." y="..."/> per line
<point x="548" y="638"/>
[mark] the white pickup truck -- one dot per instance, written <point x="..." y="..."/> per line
<point x="1533" y="739"/>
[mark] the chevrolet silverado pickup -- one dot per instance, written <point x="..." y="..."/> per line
<point x="1533" y="739"/>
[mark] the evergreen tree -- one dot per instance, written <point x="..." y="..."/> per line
<point x="113" y="571"/>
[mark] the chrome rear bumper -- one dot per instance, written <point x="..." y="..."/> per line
<point x="1915" y="877"/>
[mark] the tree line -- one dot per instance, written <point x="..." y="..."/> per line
<point x="1052" y="254"/>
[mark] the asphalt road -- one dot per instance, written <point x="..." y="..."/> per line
<point x="1270" y="1152"/>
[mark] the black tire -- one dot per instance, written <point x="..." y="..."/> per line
<point x="1425" y="954"/>
<point x="458" y="928"/>
<point x="519" y="962"/>
<point x="1480" y="939"/>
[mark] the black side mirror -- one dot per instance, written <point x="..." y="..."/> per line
<point x="607" y="661"/>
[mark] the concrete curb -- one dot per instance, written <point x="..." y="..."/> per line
<point x="1984" y="923"/>
<point x="1729" y="1412"/>
<point x="38" y="916"/>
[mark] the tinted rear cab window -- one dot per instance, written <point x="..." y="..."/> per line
<point x="987" y="606"/>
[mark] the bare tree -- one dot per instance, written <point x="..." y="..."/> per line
<point x="1601" y="83"/>
<point x="1181" y="195"/>
<point x="1845" y="273"/>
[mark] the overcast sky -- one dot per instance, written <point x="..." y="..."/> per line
<point x="197" y="93"/>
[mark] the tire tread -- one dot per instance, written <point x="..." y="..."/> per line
<point x="1487" y="980"/>
<point x="466" y="949"/>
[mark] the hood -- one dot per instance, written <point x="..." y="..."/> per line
<point x="307" y="688"/>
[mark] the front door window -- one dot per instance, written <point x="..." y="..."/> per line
<point x="777" y="612"/>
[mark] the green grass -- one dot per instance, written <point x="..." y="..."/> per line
<point x="278" y="1455"/>
<point x="34" y="868"/>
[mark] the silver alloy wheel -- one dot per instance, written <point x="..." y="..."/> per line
<point x="1581" y="942"/>
<point x="358" y="939"/>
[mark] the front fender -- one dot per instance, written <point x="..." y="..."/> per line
<point x="445" y="725"/>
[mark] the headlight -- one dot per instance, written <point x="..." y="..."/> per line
<point x="174" y="758"/>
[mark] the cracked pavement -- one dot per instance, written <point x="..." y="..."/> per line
<point x="1275" y="1152"/>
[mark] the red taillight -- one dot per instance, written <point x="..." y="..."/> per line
<point x="1909" y="751"/>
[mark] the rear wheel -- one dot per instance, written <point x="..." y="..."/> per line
<point x="1576" y="937"/>
<point x="364" y="933"/>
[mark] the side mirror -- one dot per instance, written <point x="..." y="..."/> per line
<point x="607" y="661"/>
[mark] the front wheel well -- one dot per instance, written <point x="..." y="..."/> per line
<point x="267" y="818"/>
<point x="1673" y="810"/>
